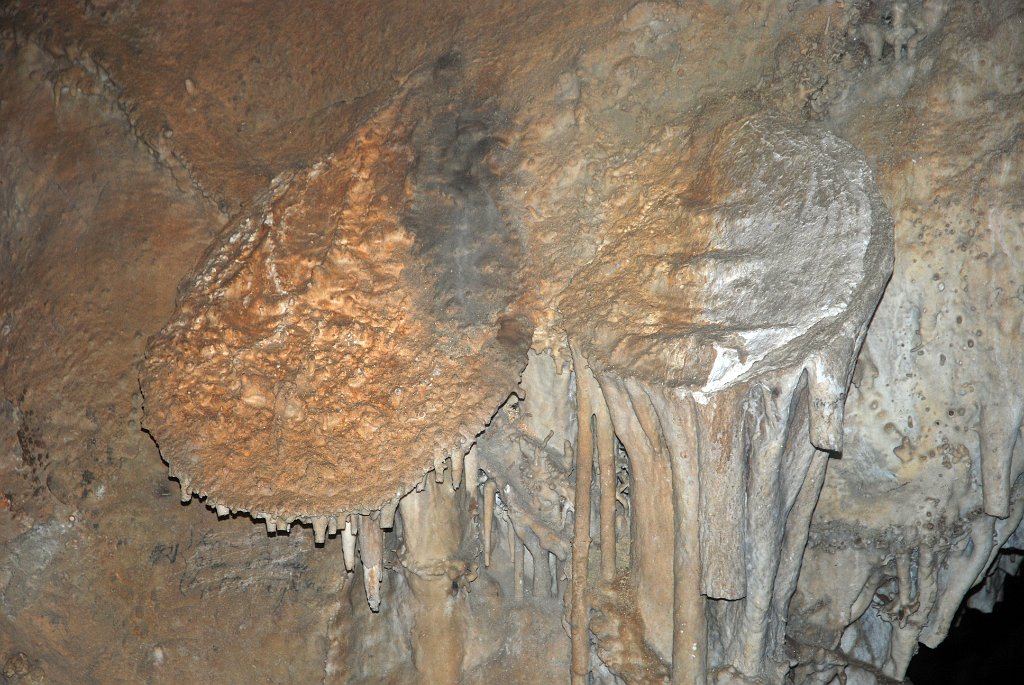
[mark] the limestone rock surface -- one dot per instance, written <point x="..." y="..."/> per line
<point x="357" y="327"/>
<point x="627" y="412"/>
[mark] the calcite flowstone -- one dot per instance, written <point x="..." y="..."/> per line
<point x="335" y="344"/>
<point x="548" y="315"/>
<point x="354" y="331"/>
<point x="725" y="392"/>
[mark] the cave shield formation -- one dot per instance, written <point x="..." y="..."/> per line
<point x="692" y="320"/>
<point x="620" y="342"/>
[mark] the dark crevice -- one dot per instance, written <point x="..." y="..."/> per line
<point x="980" y="648"/>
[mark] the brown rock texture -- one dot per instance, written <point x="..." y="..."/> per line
<point x="348" y="335"/>
<point x="104" y="578"/>
<point x="552" y="323"/>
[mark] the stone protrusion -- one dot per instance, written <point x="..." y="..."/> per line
<point x="371" y="553"/>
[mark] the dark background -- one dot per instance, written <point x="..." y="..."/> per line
<point x="981" y="648"/>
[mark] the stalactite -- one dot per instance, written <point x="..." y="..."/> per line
<point x="320" y="530"/>
<point x="720" y="450"/>
<point x="766" y="430"/>
<point x="769" y="422"/>
<point x="371" y="552"/>
<point x="795" y="539"/>
<point x="581" y="528"/>
<point x="689" y="637"/>
<point x="458" y="467"/>
<point x="490" y="488"/>
<point x="471" y="466"/>
<point x="608" y="485"/>
<point x="348" y="542"/>
<point x="651" y="523"/>
<point x="1000" y="430"/>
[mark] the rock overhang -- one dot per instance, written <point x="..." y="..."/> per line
<point x="366" y="319"/>
<point x="356" y="329"/>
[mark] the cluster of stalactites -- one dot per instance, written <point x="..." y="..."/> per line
<point x="362" y="531"/>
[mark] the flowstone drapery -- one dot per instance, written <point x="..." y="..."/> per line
<point x="362" y="327"/>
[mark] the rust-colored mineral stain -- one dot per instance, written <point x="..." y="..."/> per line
<point x="639" y="300"/>
<point x="679" y="291"/>
<point x="306" y="373"/>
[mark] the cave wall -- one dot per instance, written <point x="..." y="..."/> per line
<point x="133" y="134"/>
